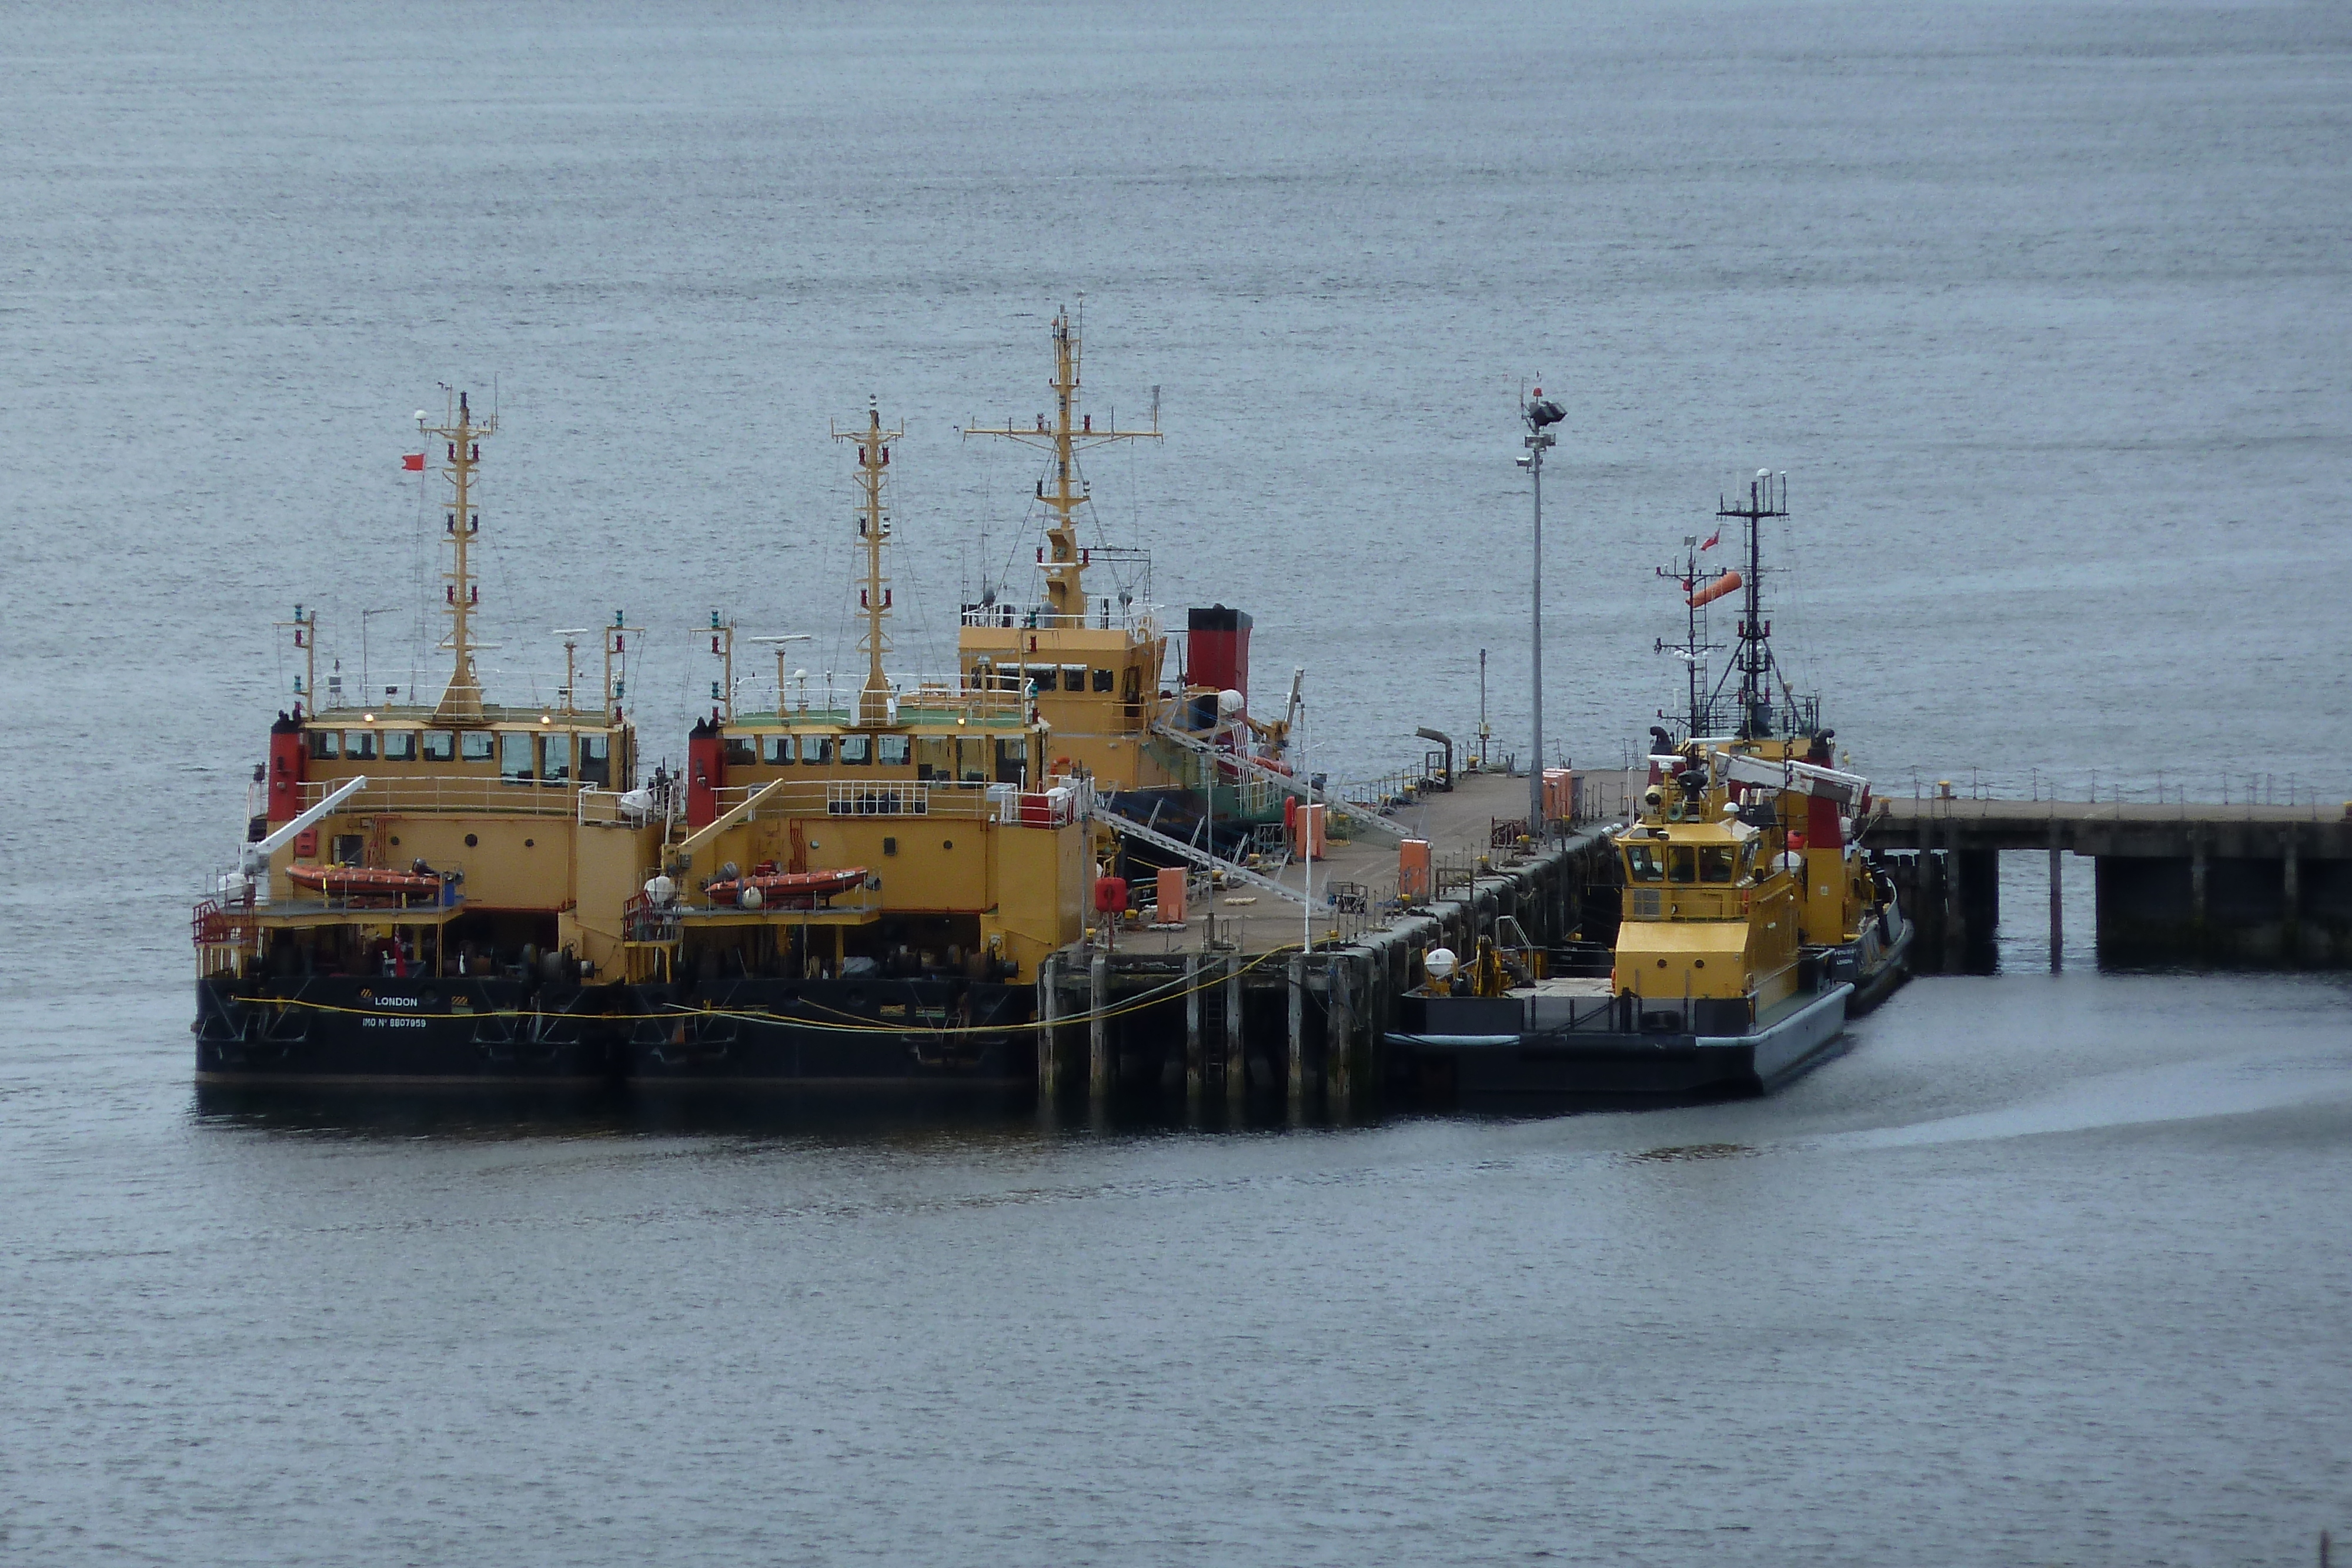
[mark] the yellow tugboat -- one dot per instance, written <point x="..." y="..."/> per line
<point x="859" y="891"/>
<point x="418" y="896"/>
<point x="1750" y="925"/>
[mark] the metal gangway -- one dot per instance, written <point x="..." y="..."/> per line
<point x="1252" y="767"/>
<point x="1128" y="827"/>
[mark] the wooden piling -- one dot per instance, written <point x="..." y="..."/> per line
<point x="1049" y="1013"/>
<point x="1193" y="1032"/>
<point x="2057" y="904"/>
<point x="1298" y="1035"/>
<point x="1339" y="1034"/>
<point x="1955" y="910"/>
<point x="2196" y="883"/>
<point x="1099" y="1066"/>
<point x="1236" y="1066"/>
<point x="2289" y="902"/>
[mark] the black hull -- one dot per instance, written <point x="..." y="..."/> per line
<point x="1582" y="1067"/>
<point x="331" y="1029"/>
<point x="920" y="1034"/>
<point x="1894" y="967"/>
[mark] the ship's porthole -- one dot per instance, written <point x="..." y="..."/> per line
<point x="947" y="844"/>
<point x="528" y="842"/>
<point x="471" y="841"/>
<point x="1662" y="963"/>
<point x="395" y="843"/>
<point x="1698" y="963"/>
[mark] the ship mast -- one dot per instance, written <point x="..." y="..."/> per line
<point x="1070" y="432"/>
<point x="1692" y="650"/>
<point x="463" y="698"/>
<point x="1754" y="660"/>
<point x="874" y="532"/>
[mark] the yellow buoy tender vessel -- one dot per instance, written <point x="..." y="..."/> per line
<point x="1750" y="927"/>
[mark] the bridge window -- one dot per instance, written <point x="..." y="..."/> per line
<point x="555" y="757"/>
<point x="596" y="759"/>
<point x="359" y="744"/>
<point x="857" y="750"/>
<point x="1073" y="678"/>
<point x="1106" y="680"/>
<point x="1045" y="677"/>
<point x="440" y="745"/>
<point x="476" y="745"/>
<point x="1715" y="863"/>
<point x="514" y="755"/>
<point x="325" y="746"/>
<point x="400" y="746"/>
<point x="972" y="766"/>
<point x="816" y="750"/>
<point x="935" y="758"/>
<point x="891" y="750"/>
<point x="776" y="750"/>
<point x="742" y="750"/>
<point x="1641" y="865"/>
<point x="1746" y="859"/>
<point x="1681" y="863"/>
<point x="1011" y="761"/>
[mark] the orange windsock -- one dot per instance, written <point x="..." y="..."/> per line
<point x="1727" y="583"/>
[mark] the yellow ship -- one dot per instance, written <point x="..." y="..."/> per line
<point x="1750" y="924"/>
<point x="860" y="891"/>
<point x="429" y="891"/>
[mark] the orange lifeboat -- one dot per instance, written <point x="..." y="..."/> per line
<point x="365" y="881"/>
<point x="784" y="889"/>
<point x="1729" y="583"/>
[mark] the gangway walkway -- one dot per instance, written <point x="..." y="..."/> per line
<point x="1289" y="783"/>
<point x="1103" y="812"/>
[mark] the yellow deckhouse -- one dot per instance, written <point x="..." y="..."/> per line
<point x="1090" y="667"/>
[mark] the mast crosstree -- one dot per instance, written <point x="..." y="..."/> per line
<point x="1768" y="496"/>
<point x="462" y="433"/>
<point x="1069" y="433"/>
<point x="874" y="595"/>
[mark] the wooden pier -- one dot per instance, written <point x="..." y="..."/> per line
<point x="2182" y="883"/>
<point x="1232" y="1007"/>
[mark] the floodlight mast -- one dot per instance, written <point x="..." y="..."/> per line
<point x="1540" y="414"/>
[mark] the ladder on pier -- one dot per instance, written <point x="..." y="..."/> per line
<point x="1252" y="767"/>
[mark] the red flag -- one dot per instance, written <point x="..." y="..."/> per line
<point x="1713" y="540"/>
<point x="414" y="463"/>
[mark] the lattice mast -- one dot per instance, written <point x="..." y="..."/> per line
<point x="873" y="532"/>
<point x="462" y="433"/>
<point x="1070" y="432"/>
<point x="1767" y="497"/>
<point x="1694" y="649"/>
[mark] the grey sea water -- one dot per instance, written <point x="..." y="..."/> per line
<point x="2042" y="308"/>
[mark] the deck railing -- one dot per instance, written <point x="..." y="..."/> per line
<point x="454" y="794"/>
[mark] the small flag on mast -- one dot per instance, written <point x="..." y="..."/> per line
<point x="1713" y="540"/>
<point x="413" y="462"/>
